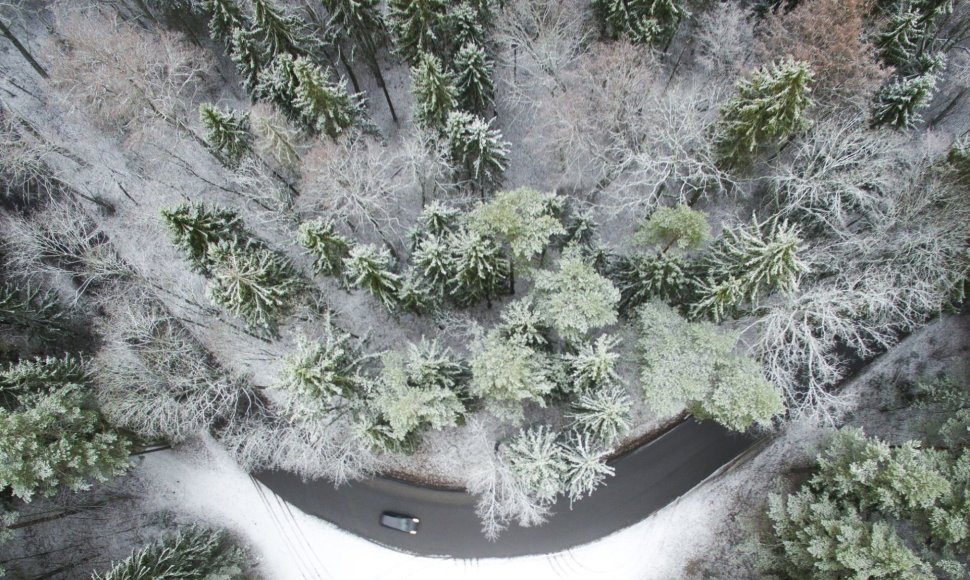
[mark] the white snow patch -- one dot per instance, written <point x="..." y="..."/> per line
<point x="291" y="545"/>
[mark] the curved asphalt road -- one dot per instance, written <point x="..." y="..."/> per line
<point x="646" y="480"/>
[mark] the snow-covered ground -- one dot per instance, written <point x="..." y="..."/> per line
<point x="289" y="544"/>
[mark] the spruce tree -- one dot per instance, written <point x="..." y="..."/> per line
<point x="767" y="109"/>
<point x="536" y="460"/>
<point x="436" y="220"/>
<point x="521" y="322"/>
<point x="328" y="248"/>
<point x="29" y="309"/>
<point x="224" y="17"/>
<point x="277" y="31"/>
<point x="648" y="22"/>
<point x="434" y="92"/>
<point x="44" y="374"/>
<point x="603" y="414"/>
<point x="325" y="105"/>
<point x="250" y="58"/>
<point x="369" y="268"/>
<point x="321" y="373"/>
<point x="434" y="260"/>
<point x="480" y="269"/>
<point x="473" y="78"/>
<point x="749" y="261"/>
<point x="195" y="229"/>
<point x="253" y="283"/>
<point x="593" y="366"/>
<point x="192" y="552"/>
<point x="478" y="148"/>
<point x="506" y="373"/>
<point x="278" y="83"/>
<point x="227" y="133"/>
<point x="466" y="25"/>
<point x="55" y="439"/>
<point x="585" y="465"/>
<point x="418" y="27"/>
<point x="897" y="104"/>
<point x="665" y="276"/>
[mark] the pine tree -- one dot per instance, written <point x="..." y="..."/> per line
<point x="250" y="58"/>
<point x="508" y="373"/>
<point x="536" y="461"/>
<point x="325" y="105"/>
<point x="414" y="394"/>
<point x="593" y="366"/>
<point x="34" y="311"/>
<point x="767" y="109"/>
<point x="473" y="78"/>
<point x="477" y="148"/>
<point x="328" y="248"/>
<point x="322" y="373"/>
<point x="748" y="261"/>
<point x="415" y="295"/>
<point x="603" y="414"/>
<point x="642" y="21"/>
<point x="54" y="439"/>
<point x="677" y="227"/>
<point x="740" y="397"/>
<point x="227" y="134"/>
<point x="418" y="27"/>
<point x="253" y="283"/>
<point x="585" y="465"/>
<point x="434" y="92"/>
<point x="195" y="229"/>
<point x="224" y="17"/>
<point x="192" y="552"/>
<point x="369" y="268"/>
<point x="480" y="269"/>
<point x="523" y="218"/>
<point x="575" y="299"/>
<point x="897" y="104"/>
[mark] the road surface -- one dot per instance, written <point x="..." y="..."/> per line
<point x="646" y="480"/>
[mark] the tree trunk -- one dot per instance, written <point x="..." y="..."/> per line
<point x="350" y="71"/>
<point x="949" y="108"/>
<point x="376" y="69"/>
<point x="23" y="50"/>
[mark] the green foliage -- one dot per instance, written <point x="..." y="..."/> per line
<point x="521" y="322"/>
<point x="32" y="310"/>
<point x="227" y="134"/>
<point x="54" y="439"/>
<point x="434" y="92"/>
<point x="326" y="106"/>
<point x="693" y="364"/>
<point x="195" y="229"/>
<point x="593" y="366"/>
<point x="436" y="219"/>
<point x="369" y="268"/>
<point x="434" y="260"/>
<point x="522" y="218"/>
<point x="664" y="276"/>
<point x="358" y="20"/>
<point x="466" y="24"/>
<point x="477" y="148"/>
<point x="641" y="21"/>
<point x="677" y="227"/>
<point x="819" y="538"/>
<point x="748" y="261"/>
<point x="585" y="465"/>
<point x="328" y="248"/>
<point x="536" y="460"/>
<point x="278" y="83"/>
<point x="323" y="371"/>
<point x="415" y="393"/>
<point x="575" y="299"/>
<point x="602" y="413"/>
<point x="254" y="283"/>
<point x="509" y="372"/>
<point x="897" y="104"/>
<point x="480" y="269"/>
<point x="473" y="78"/>
<point x="224" y="17"/>
<point x="276" y="31"/>
<point x="43" y="374"/>
<point x="418" y="26"/>
<point x="192" y="552"/>
<point x="767" y="109"/>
